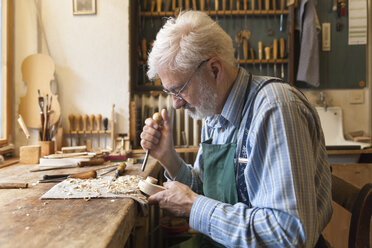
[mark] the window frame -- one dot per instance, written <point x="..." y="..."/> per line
<point x="6" y="70"/>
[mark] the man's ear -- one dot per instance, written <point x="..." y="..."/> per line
<point x="217" y="69"/>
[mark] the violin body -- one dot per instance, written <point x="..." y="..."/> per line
<point x="38" y="72"/>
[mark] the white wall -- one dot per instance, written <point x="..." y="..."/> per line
<point x="355" y="116"/>
<point x="91" y="54"/>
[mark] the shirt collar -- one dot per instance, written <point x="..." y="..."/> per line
<point x="232" y="110"/>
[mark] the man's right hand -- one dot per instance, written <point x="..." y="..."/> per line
<point x="159" y="140"/>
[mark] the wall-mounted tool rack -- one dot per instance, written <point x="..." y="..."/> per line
<point x="91" y="127"/>
<point x="255" y="26"/>
<point x="267" y="20"/>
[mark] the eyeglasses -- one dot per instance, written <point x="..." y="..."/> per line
<point x="178" y="94"/>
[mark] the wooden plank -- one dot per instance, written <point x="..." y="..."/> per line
<point x="59" y="223"/>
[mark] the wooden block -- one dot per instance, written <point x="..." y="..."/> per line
<point x="47" y="147"/>
<point x="29" y="154"/>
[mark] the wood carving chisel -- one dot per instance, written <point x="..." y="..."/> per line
<point x="282" y="53"/>
<point x="71" y="119"/>
<point x="281" y="15"/>
<point x="99" y="121"/>
<point x="78" y="128"/>
<point x="158" y="119"/>
<point x="275" y="54"/>
<point x="260" y="54"/>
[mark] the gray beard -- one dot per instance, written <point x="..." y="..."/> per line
<point x="208" y="103"/>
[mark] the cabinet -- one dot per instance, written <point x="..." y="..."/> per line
<point x="261" y="30"/>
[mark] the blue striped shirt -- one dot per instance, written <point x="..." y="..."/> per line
<point x="284" y="185"/>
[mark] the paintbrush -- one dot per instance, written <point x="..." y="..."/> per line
<point x="41" y="107"/>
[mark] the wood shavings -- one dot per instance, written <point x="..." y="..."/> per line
<point x="124" y="186"/>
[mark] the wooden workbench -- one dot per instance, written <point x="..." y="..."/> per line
<point x="27" y="221"/>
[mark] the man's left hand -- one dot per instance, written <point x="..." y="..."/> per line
<point x="177" y="199"/>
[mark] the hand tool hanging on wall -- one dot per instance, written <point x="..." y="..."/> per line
<point x="78" y="128"/>
<point x="71" y="119"/>
<point x="282" y="54"/>
<point x="267" y="57"/>
<point x="238" y="40"/>
<point x="253" y="57"/>
<point x="216" y="9"/>
<point x="144" y="57"/>
<point x="158" y="119"/>
<point x="187" y="4"/>
<point x="42" y="118"/>
<point x="167" y="5"/>
<point x="91" y="128"/>
<point x="152" y="8"/>
<point x="158" y="6"/>
<point x="245" y="35"/>
<point x="174" y="5"/>
<point x="180" y="4"/>
<point x="260" y="54"/>
<point x="105" y="127"/>
<point x="144" y="5"/>
<point x="194" y="6"/>
<point x="281" y="15"/>
<point x="270" y="31"/>
<point x="99" y="121"/>
<point x="275" y="54"/>
<point x="202" y="5"/>
<point x="85" y="129"/>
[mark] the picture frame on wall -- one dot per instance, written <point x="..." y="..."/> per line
<point x="84" y="7"/>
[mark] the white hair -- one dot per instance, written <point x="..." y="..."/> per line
<point x="183" y="42"/>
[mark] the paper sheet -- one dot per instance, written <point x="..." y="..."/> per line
<point x="357" y="22"/>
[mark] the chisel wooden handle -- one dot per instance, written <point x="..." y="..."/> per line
<point x="194" y="6"/>
<point x="167" y="5"/>
<point x="224" y="6"/>
<point x="202" y="5"/>
<point x="281" y="4"/>
<point x="78" y="122"/>
<point x="267" y="52"/>
<point x="231" y="5"/>
<point x="144" y="4"/>
<point x="152" y="7"/>
<point x="85" y="123"/>
<point x="180" y="4"/>
<point x="84" y="175"/>
<point x="267" y="5"/>
<point x="275" y="49"/>
<point x="245" y="4"/>
<point x="253" y="4"/>
<point x="274" y="4"/>
<point x="99" y="122"/>
<point x="282" y="47"/>
<point x="71" y="119"/>
<point x="187" y="4"/>
<point x="91" y="122"/>
<point x="173" y="5"/>
<point x="260" y="50"/>
<point x="158" y="6"/>
<point x="216" y="6"/>
<point x="245" y="49"/>
<point x="237" y="4"/>
<point x="144" y="49"/>
<point x="13" y="185"/>
<point x="251" y="52"/>
<point x="260" y="4"/>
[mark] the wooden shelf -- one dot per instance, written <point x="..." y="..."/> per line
<point x="219" y="13"/>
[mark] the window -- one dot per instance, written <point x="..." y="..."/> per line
<point x="6" y="69"/>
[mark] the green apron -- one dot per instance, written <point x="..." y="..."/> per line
<point x="218" y="183"/>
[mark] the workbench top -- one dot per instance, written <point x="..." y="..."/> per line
<point x="27" y="221"/>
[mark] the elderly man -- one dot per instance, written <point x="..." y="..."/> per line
<point x="261" y="176"/>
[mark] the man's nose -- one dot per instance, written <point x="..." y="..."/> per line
<point x="178" y="103"/>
